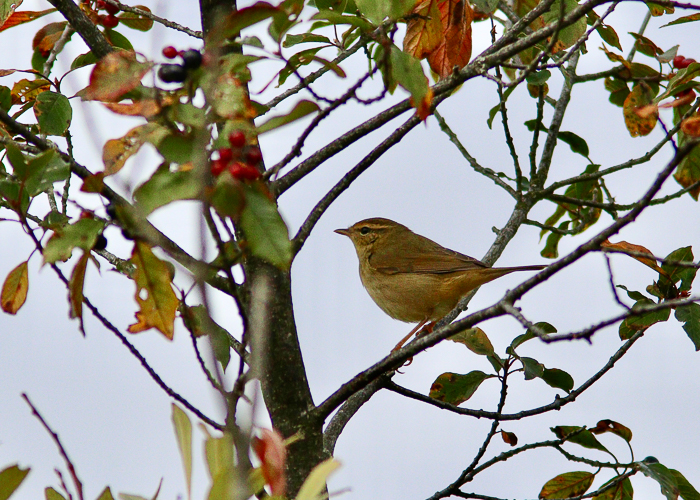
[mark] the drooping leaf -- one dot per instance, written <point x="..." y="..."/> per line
<point x="166" y="186"/>
<point x="301" y="109"/>
<point x="424" y="31"/>
<point x="455" y="48"/>
<point x="640" y="96"/>
<point x="408" y="72"/>
<point x="272" y="452"/>
<point x="199" y="323"/>
<point x="569" y="484"/>
<point x="154" y="292"/>
<point x="476" y="341"/>
<point x="686" y="490"/>
<point x="625" y="247"/>
<point x="614" y="428"/>
<point x="116" y="151"/>
<point x="114" y="75"/>
<point x="662" y="475"/>
<point x="454" y="388"/>
<point x="509" y="438"/>
<point x="83" y="234"/>
<point x="609" y="35"/>
<point x="690" y="317"/>
<point x="183" y="432"/>
<point x="14" y="289"/>
<point x="23" y="16"/>
<point x="11" y="477"/>
<point x="265" y="231"/>
<point x="576" y="143"/>
<point x="75" y="290"/>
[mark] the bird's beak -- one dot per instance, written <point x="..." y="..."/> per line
<point x="344" y="232"/>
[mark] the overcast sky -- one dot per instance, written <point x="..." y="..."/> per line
<point x="115" y="422"/>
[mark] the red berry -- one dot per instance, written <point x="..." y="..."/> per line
<point x="686" y="92"/>
<point x="170" y="52"/>
<point x="112" y="9"/>
<point x="241" y="171"/>
<point x="225" y="154"/>
<point x="684" y="63"/>
<point x="678" y="60"/>
<point x="236" y="139"/>
<point x="109" y="21"/>
<point x="688" y="62"/>
<point x="100" y="4"/>
<point x="253" y="156"/>
<point x="217" y="167"/>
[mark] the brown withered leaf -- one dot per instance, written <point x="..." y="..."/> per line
<point x="25" y="90"/>
<point x="114" y="75"/>
<point x="626" y="248"/>
<point x="93" y="183"/>
<point x="14" y="289"/>
<point x="455" y="48"/>
<point x="17" y="18"/>
<point x="509" y="438"/>
<point x="145" y="107"/>
<point x="614" y="427"/>
<point x="154" y="292"/>
<point x="691" y="126"/>
<point x="75" y="290"/>
<point x="7" y="8"/>
<point x="46" y="37"/>
<point x="424" y="31"/>
<point x="116" y="151"/>
<point x="640" y="96"/>
<point x="682" y="100"/>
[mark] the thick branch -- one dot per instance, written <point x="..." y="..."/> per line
<point x="86" y="29"/>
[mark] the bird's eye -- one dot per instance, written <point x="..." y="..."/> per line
<point x="364" y="230"/>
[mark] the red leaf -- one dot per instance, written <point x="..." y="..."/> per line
<point x="455" y="49"/>
<point x="114" y="75"/>
<point x="271" y="451"/>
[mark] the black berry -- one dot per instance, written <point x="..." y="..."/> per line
<point x="170" y="73"/>
<point x="192" y="59"/>
<point x="101" y="243"/>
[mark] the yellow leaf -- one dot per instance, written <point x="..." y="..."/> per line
<point x="75" y="289"/>
<point x="154" y="292"/>
<point x="14" y="290"/>
<point x="640" y="96"/>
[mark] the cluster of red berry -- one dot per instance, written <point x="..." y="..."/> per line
<point x="177" y="73"/>
<point x="231" y="159"/>
<point x="680" y="62"/>
<point x="110" y="20"/>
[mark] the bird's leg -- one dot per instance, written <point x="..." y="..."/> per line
<point x="410" y="334"/>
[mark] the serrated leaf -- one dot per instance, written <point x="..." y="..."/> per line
<point x="83" y="234"/>
<point x="454" y="388"/>
<point x="315" y="483"/>
<point x="154" y="292"/>
<point x="10" y="479"/>
<point x="476" y="341"/>
<point x="166" y="186"/>
<point x="183" y="431"/>
<point x="265" y="231"/>
<point x="301" y="109"/>
<point x="53" y="112"/>
<point x="14" y="289"/>
<point x="569" y="484"/>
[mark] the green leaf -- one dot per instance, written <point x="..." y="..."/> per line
<point x="578" y="435"/>
<point x="83" y="60"/>
<point x="486" y="6"/>
<point x="83" y="234"/>
<point x="497" y="107"/>
<point x="10" y="479"/>
<point x="17" y="160"/>
<point x="315" y="484"/>
<point x="576" y="143"/>
<point x="301" y="109"/>
<point x="200" y="323"/>
<point x="44" y="170"/>
<point x="336" y="18"/>
<point x="243" y="18"/>
<point x="52" y="494"/>
<point x="166" y="186"/>
<point x="609" y="35"/>
<point x="633" y="324"/>
<point x="633" y="294"/>
<point x="521" y="339"/>
<point x="106" y="494"/>
<point x="675" y="272"/>
<point x="5" y="98"/>
<point x="569" y="35"/>
<point x="136" y="21"/>
<point x="476" y="341"/>
<point x="408" y="72"/>
<point x="183" y="431"/>
<point x="663" y="476"/>
<point x="558" y="379"/>
<point x="292" y="40"/>
<point x="119" y="40"/>
<point x="659" y="10"/>
<point x="454" y="388"/>
<point x="569" y="484"/>
<point x="539" y="77"/>
<point x="550" y="250"/>
<point x="618" y="90"/>
<point x="532" y="368"/>
<point x="646" y="46"/>
<point x="265" y="231"/>
<point x="682" y="20"/>
<point x="177" y="148"/>
<point x="690" y="317"/>
<point x="669" y="55"/>
<point x="378" y="10"/>
<point x="621" y="491"/>
<point x="687" y="490"/>
<point x="53" y="112"/>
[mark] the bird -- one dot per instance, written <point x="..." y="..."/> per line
<point x="412" y="278"/>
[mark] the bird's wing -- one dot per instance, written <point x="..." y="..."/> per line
<point x="423" y="256"/>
